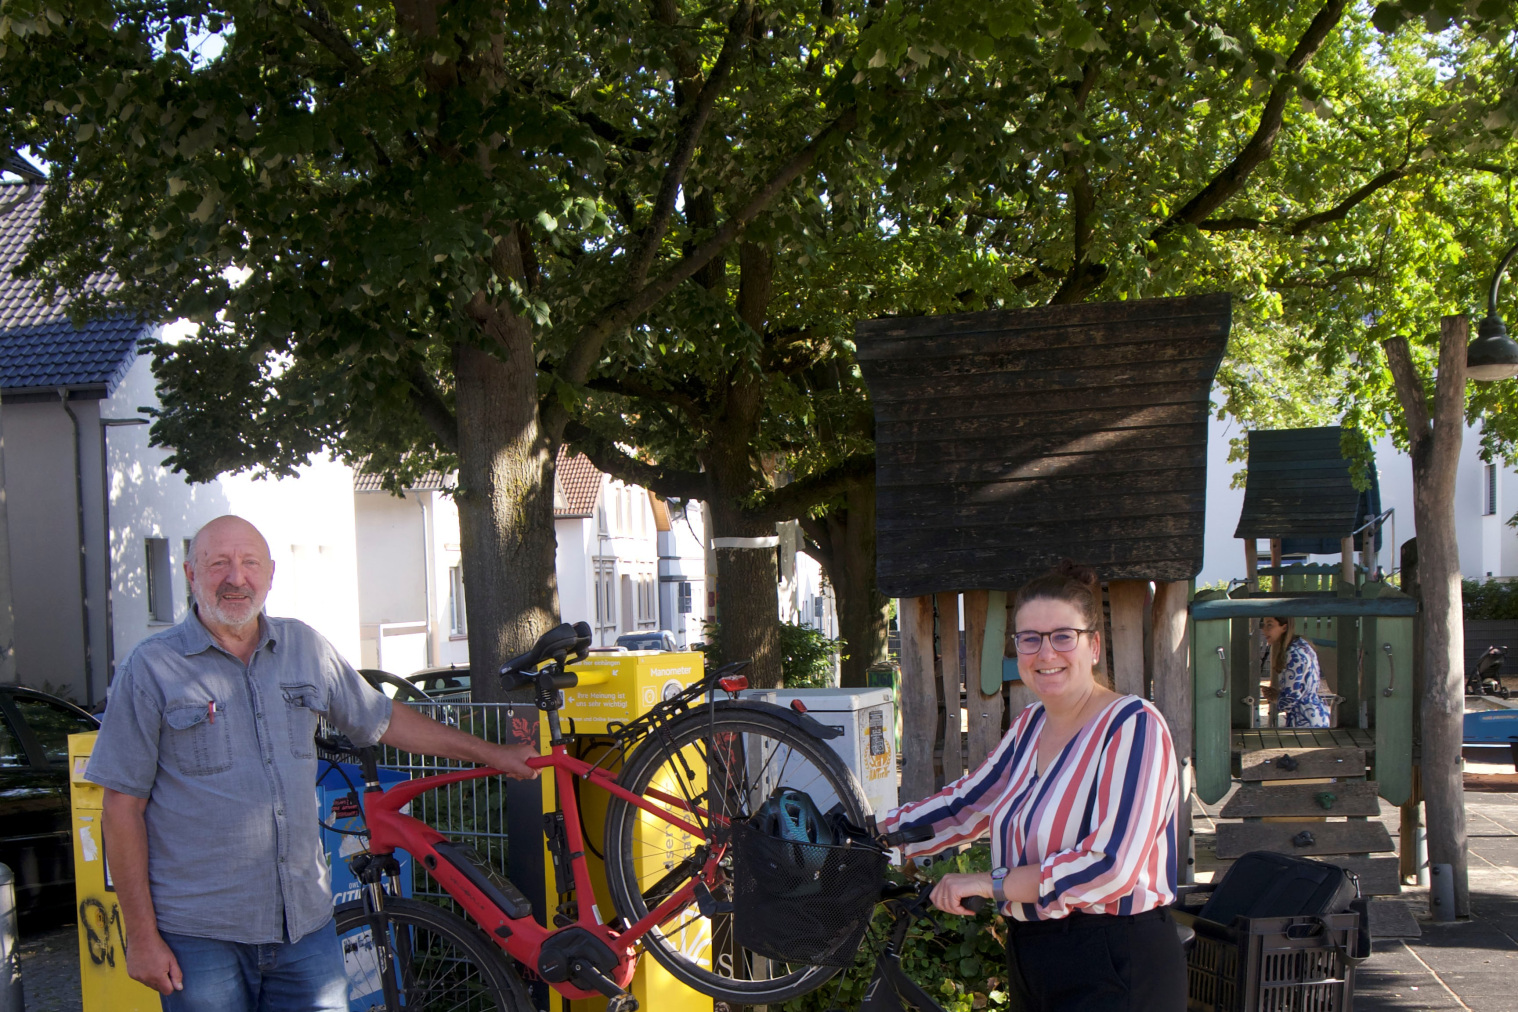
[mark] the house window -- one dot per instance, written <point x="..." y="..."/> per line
<point x="1489" y="502"/>
<point x="648" y="601"/>
<point x="685" y="603"/>
<point x="606" y="600"/>
<point x="458" y="625"/>
<point x="160" y="580"/>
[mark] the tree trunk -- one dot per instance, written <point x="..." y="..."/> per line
<point x="1434" y="438"/>
<point x="747" y="605"/>
<point x="505" y="495"/>
<point x="845" y="539"/>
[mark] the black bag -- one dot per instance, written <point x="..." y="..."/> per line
<point x="1262" y="884"/>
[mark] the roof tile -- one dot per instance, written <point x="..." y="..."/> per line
<point x="40" y="348"/>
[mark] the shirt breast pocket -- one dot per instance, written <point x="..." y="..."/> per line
<point x="196" y="742"/>
<point x="303" y="706"/>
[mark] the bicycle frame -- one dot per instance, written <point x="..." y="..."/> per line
<point x="523" y="938"/>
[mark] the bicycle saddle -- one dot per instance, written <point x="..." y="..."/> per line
<point x="557" y="643"/>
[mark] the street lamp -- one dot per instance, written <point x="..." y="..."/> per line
<point x="1493" y="355"/>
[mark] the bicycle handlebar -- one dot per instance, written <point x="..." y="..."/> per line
<point x="911" y="834"/>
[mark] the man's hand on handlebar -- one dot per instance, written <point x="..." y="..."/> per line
<point x="511" y="759"/>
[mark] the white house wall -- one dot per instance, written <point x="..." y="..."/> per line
<point x="682" y="559"/>
<point x="307" y="520"/>
<point x="44" y="546"/>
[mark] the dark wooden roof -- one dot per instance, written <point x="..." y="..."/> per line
<point x="1299" y="488"/>
<point x="1006" y="441"/>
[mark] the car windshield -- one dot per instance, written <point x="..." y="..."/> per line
<point x="52" y="724"/>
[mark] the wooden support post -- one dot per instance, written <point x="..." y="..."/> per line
<point x="1172" y="694"/>
<point x="1251" y="565"/>
<point x="1275" y="560"/>
<point x="919" y="699"/>
<point x="953" y="686"/>
<point x="1128" y="599"/>
<point x="1412" y="847"/>
<point x="1019" y="696"/>
<point x="1347" y="636"/>
<point x="985" y="708"/>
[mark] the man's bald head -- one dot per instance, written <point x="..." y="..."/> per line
<point x="230" y="573"/>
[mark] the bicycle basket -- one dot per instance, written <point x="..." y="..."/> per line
<point x="803" y="903"/>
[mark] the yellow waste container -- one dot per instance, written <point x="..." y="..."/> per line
<point x="634" y="683"/>
<point x="103" y="978"/>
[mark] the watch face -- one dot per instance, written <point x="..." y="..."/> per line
<point x="999" y="872"/>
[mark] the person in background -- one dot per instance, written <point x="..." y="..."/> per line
<point x="208" y="762"/>
<point x="1295" y="678"/>
<point x="1080" y="801"/>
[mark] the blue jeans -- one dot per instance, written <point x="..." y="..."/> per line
<point x="301" y="976"/>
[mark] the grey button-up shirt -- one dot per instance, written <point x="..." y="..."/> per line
<point x="234" y="849"/>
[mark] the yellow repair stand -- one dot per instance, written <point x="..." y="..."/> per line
<point x="627" y="685"/>
<point x="103" y="979"/>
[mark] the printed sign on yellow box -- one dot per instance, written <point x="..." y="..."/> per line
<point x="618" y="688"/>
<point x="622" y="686"/>
<point x="103" y="980"/>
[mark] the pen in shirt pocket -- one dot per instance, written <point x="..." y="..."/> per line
<point x="211" y="711"/>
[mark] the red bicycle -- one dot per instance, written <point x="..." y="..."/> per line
<point x="693" y="767"/>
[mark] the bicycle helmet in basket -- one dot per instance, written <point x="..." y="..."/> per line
<point x="792" y="816"/>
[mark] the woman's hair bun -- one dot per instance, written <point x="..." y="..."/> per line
<point x="1072" y="570"/>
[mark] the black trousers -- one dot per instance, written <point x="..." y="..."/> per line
<point x="1096" y="963"/>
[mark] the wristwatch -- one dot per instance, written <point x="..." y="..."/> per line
<point x="998" y="885"/>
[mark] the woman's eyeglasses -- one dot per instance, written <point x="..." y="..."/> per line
<point x="1030" y="642"/>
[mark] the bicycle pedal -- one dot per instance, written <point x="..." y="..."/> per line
<point x="622" y="1003"/>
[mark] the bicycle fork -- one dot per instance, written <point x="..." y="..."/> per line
<point x="372" y="871"/>
<point x="890" y="984"/>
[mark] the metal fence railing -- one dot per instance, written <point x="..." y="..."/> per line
<point x="473" y="812"/>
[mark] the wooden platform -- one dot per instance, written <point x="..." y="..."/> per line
<point x="1303" y="737"/>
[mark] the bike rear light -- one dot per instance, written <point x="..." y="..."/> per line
<point x="798" y="706"/>
<point x="733" y="683"/>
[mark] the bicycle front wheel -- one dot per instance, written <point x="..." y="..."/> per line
<point x="437" y="960"/>
<point x="724" y="763"/>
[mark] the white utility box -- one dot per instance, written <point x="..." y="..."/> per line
<point x="868" y="719"/>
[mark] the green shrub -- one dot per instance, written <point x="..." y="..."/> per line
<point x="806" y="655"/>
<point x="960" y="961"/>
<point x="1489" y="600"/>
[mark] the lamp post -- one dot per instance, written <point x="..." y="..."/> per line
<point x="1493" y="355"/>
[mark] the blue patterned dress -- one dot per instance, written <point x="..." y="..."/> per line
<point x="1299" y="684"/>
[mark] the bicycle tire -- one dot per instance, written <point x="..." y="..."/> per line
<point x="453" y="966"/>
<point x="654" y="760"/>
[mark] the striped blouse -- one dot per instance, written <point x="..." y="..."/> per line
<point x="1100" y="822"/>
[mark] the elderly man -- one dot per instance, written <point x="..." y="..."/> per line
<point x="209" y="771"/>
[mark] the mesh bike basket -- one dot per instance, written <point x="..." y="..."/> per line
<point x="803" y="903"/>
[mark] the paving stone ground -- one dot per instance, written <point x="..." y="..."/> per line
<point x="1470" y="965"/>
<point x="50" y="971"/>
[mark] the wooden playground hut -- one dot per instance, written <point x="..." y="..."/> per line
<point x="1301" y="498"/>
<point x="1008" y="440"/>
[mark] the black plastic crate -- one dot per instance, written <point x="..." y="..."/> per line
<point x="1271" y="964"/>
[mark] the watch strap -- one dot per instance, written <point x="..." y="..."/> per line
<point x="999" y="885"/>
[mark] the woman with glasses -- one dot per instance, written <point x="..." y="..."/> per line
<point x="1080" y="802"/>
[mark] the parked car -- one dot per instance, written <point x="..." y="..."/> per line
<point x="35" y="817"/>
<point x="395" y="686"/>
<point x="649" y="639"/>
<point x="445" y="685"/>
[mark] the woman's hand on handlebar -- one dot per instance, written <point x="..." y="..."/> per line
<point x="953" y="889"/>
